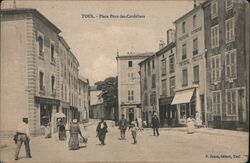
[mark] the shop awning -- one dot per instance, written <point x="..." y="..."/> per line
<point x="183" y="97"/>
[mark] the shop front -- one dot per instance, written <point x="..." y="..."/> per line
<point x="189" y="104"/>
<point x="131" y="112"/>
<point x="185" y="103"/>
<point x="168" y="112"/>
<point x="46" y="113"/>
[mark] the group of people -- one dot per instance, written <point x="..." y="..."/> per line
<point x="23" y="136"/>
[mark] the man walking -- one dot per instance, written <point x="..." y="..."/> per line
<point x="23" y="136"/>
<point x="155" y="124"/>
<point x="123" y="126"/>
<point x="101" y="131"/>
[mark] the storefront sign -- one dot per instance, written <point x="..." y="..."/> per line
<point x="196" y="30"/>
<point x="47" y="101"/>
<point x="165" y="100"/>
<point x="184" y="62"/>
<point x="197" y="58"/>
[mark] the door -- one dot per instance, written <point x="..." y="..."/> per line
<point x="131" y="115"/>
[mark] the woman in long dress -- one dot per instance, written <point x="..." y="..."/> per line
<point x="62" y="130"/>
<point x="74" y="131"/>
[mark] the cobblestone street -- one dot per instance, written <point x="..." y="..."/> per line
<point x="171" y="146"/>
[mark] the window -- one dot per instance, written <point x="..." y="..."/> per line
<point x="53" y="84"/>
<point x="41" y="79"/>
<point x="62" y="94"/>
<point x="184" y="77"/>
<point x="214" y="9"/>
<point x="52" y="52"/>
<point x="196" y="74"/>
<point x="195" y="46"/>
<point x="130" y="95"/>
<point x="40" y="43"/>
<point x="153" y="64"/>
<point x="194" y="20"/>
<point x="172" y="86"/>
<point x="215" y="36"/>
<point x="216" y="102"/>
<point x="184" y="51"/>
<point x="130" y="76"/>
<point x="153" y="81"/>
<point x="230" y="30"/>
<point x="171" y="64"/>
<point x="231" y="101"/>
<point x="145" y="68"/>
<point x="149" y="68"/>
<point x="130" y="64"/>
<point x="183" y="27"/>
<point x="145" y="83"/>
<point x="215" y="68"/>
<point x="153" y="99"/>
<point x="164" y="87"/>
<point x="231" y="64"/>
<point x="45" y="114"/>
<point x="145" y="99"/>
<point x="163" y="67"/>
<point x="183" y="111"/>
<point x="229" y="4"/>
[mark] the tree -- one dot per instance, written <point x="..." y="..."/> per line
<point x="109" y="88"/>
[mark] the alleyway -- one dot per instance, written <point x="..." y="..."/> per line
<point x="170" y="146"/>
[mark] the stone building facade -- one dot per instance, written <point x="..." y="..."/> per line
<point x="190" y="65"/>
<point x="33" y="81"/>
<point x="129" y="99"/>
<point x="227" y="64"/>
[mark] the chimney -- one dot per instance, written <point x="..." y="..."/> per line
<point x="161" y="44"/>
<point x="170" y="36"/>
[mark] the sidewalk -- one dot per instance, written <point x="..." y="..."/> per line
<point x="211" y="131"/>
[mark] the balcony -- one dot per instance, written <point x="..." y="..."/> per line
<point x="42" y="90"/>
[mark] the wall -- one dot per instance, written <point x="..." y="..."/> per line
<point x="14" y="86"/>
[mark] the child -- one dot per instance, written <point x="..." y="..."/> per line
<point x="133" y="131"/>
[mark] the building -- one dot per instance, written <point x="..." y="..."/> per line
<point x="29" y="83"/>
<point x="149" y="92"/>
<point x="39" y="73"/>
<point x="129" y="99"/>
<point x="190" y="65"/>
<point x="97" y="109"/>
<point x="227" y="64"/>
<point x="166" y="59"/>
<point x="63" y="77"/>
<point x="84" y="98"/>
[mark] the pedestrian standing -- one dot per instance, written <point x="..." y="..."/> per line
<point x="155" y="124"/>
<point x="123" y="126"/>
<point x="102" y="129"/>
<point x="62" y="130"/>
<point x="23" y="136"/>
<point x="134" y="131"/>
<point x="190" y="125"/>
<point x="74" y="131"/>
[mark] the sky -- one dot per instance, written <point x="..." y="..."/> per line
<point x="95" y="41"/>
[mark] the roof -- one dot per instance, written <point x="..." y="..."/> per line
<point x="83" y="79"/>
<point x="35" y="12"/>
<point x="95" y="97"/>
<point x="62" y="40"/>
<point x="188" y="13"/>
<point x="166" y="48"/>
<point x="135" y="55"/>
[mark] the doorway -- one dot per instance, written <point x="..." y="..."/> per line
<point x="131" y="115"/>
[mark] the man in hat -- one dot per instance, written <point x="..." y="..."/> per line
<point x="123" y="126"/>
<point x="23" y="136"/>
<point x="101" y="130"/>
<point x="155" y="124"/>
